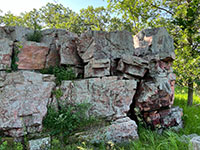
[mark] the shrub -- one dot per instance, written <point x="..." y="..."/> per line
<point x="61" y="73"/>
<point x="36" y="36"/>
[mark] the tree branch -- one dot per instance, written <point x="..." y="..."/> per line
<point x="162" y="9"/>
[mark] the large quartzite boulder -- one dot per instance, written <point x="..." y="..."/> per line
<point x="101" y="50"/>
<point x="6" y="49"/>
<point x="23" y="102"/>
<point x="109" y="97"/>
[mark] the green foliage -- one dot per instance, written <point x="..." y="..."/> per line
<point x="15" y="59"/>
<point x="61" y="73"/>
<point x="36" y="36"/>
<point x="16" y="146"/>
<point x="67" y="120"/>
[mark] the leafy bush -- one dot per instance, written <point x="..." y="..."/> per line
<point x="36" y="36"/>
<point x="61" y="73"/>
<point x="68" y="119"/>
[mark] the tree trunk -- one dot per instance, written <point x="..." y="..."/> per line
<point x="190" y="93"/>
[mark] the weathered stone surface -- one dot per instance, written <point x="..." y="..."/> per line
<point x="110" y="97"/>
<point x="97" y="68"/>
<point x="195" y="143"/>
<point x="101" y="50"/>
<point x="154" y="44"/>
<point x="15" y="33"/>
<point x="68" y="51"/>
<point x="40" y="144"/>
<point x="104" y="45"/>
<point x="32" y="56"/>
<point x="63" y="46"/>
<point x="165" y="118"/>
<point x="155" y="94"/>
<point x="53" y="57"/>
<point x="6" y="48"/>
<point x="24" y="97"/>
<point x="133" y="65"/>
<point x="120" y="131"/>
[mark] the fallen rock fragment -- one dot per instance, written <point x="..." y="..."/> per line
<point x="40" y="144"/>
<point x="122" y="130"/>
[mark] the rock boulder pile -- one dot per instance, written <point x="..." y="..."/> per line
<point x="125" y="79"/>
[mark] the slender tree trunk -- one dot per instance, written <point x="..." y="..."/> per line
<point x="190" y="93"/>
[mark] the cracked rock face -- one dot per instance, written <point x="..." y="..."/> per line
<point x="6" y="48"/>
<point x="24" y="97"/>
<point x="104" y="49"/>
<point x="63" y="46"/>
<point x="109" y="97"/>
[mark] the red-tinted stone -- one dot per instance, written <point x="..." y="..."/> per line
<point x="32" y="56"/>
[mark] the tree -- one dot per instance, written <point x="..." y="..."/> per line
<point x="182" y="20"/>
<point x="32" y="19"/>
<point x="11" y="20"/>
<point x="55" y="15"/>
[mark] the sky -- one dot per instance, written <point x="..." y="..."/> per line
<point x="18" y="6"/>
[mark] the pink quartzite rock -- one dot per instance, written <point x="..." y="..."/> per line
<point x="132" y="65"/>
<point x="155" y="94"/>
<point x="154" y="44"/>
<point x="97" y="68"/>
<point x="32" y="55"/>
<point x="165" y="118"/>
<point x="96" y="47"/>
<point x="63" y="45"/>
<point x="23" y="102"/>
<point x="120" y="131"/>
<point x="110" y="97"/>
<point x="6" y="48"/>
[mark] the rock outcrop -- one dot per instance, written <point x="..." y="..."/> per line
<point x="123" y="76"/>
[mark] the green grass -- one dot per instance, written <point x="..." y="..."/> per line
<point x="191" y="115"/>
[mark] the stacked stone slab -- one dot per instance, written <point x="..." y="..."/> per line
<point x="121" y="75"/>
<point x="155" y="93"/>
